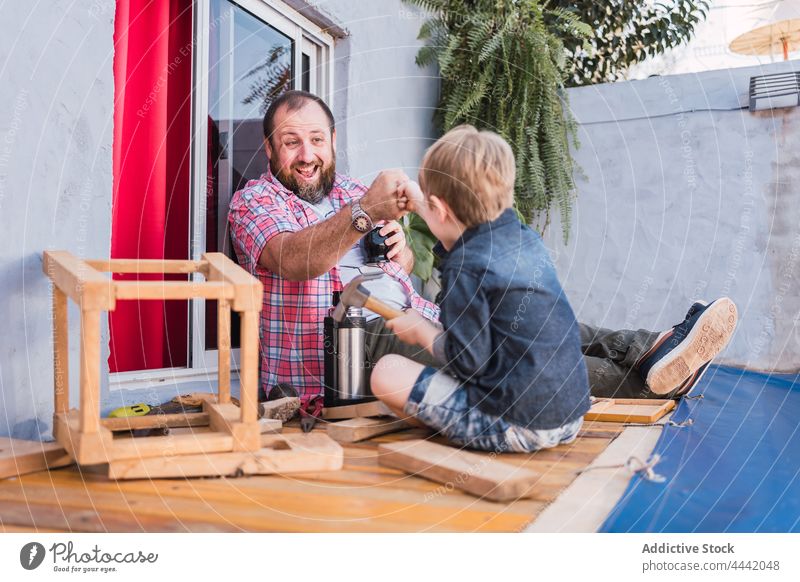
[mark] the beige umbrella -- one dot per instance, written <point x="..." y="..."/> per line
<point x="782" y="33"/>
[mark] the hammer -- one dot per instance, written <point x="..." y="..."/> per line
<point x="355" y="295"/>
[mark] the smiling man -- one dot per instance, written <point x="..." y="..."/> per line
<point x="297" y="228"/>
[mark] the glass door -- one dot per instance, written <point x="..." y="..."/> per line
<point x="254" y="52"/>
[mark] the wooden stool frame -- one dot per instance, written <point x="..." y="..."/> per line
<point x="87" y="437"/>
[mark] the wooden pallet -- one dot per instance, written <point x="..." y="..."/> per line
<point x="362" y="497"/>
<point x="640" y="410"/>
<point x="88" y="439"/>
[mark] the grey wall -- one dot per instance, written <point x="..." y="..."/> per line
<point x="383" y="101"/>
<point x="57" y="92"/>
<point x="676" y="206"/>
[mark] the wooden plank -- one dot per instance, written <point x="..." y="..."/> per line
<point x="18" y="457"/>
<point x="275" y="504"/>
<point x="249" y="290"/>
<point x="86" y="517"/>
<point x="176" y="266"/>
<point x="480" y="475"/>
<point x="60" y="351"/>
<point x="365" y="409"/>
<point x="269" y="426"/>
<point x="224" y="351"/>
<point x="156" y="421"/>
<point x="8" y="528"/>
<point x="169" y="447"/>
<point x="81" y="283"/>
<point x="90" y="372"/>
<point x="585" y="504"/>
<point x="629" y="410"/>
<point x="287" y="454"/>
<point x="248" y="365"/>
<point x="359" y="429"/>
<point x="144" y="290"/>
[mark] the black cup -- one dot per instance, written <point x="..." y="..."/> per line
<point x="374" y="247"/>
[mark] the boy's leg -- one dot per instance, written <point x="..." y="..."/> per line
<point x="393" y="378"/>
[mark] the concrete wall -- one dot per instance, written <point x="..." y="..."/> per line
<point x="57" y="93"/>
<point x="676" y="206"/>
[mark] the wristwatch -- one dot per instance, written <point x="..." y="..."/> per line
<point x="361" y="220"/>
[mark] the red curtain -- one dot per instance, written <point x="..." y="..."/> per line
<point x="152" y="131"/>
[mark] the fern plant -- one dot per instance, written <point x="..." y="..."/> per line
<point x="502" y="67"/>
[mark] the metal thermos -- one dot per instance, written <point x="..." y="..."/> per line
<point x="345" y="359"/>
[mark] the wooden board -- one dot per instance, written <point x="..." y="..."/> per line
<point x="477" y="474"/>
<point x="365" y="409"/>
<point x="280" y="454"/>
<point x="269" y="425"/>
<point x="354" y="430"/>
<point x="156" y="421"/>
<point x="640" y="410"/>
<point x="18" y="457"/>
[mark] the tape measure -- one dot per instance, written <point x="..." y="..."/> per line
<point x="133" y="410"/>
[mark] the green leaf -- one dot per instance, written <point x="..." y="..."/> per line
<point x="421" y="240"/>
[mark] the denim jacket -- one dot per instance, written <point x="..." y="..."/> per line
<point x="510" y="334"/>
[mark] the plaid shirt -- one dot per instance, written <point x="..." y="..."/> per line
<point x="293" y="311"/>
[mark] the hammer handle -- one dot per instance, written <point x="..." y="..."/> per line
<point x="379" y="307"/>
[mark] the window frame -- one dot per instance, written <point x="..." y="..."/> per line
<point x="307" y="38"/>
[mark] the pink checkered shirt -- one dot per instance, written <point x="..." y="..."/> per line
<point x="293" y="311"/>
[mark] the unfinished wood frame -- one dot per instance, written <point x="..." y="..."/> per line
<point x="89" y="439"/>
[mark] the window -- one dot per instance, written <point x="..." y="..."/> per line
<point x="245" y="52"/>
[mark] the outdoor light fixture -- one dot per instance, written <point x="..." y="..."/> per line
<point x="774" y="91"/>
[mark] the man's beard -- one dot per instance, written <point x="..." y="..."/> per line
<point x="310" y="192"/>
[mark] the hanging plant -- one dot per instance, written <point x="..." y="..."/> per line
<point x="502" y="68"/>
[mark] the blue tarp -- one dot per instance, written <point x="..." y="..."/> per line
<point x="735" y="469"/>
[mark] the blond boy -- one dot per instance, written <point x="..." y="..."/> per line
<point x="511" y="374"/>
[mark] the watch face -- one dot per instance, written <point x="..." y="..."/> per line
<point x="361" y="223"/>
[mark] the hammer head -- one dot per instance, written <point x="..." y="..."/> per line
<point x="353" y="295"/>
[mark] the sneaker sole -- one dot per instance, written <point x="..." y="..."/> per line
<point x="708" y="337"/>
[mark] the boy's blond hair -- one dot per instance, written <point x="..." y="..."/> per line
<point x="472" y="171"/>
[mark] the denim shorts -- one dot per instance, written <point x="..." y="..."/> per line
<point x="440" y="401"/>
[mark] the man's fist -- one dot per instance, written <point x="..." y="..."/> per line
<point x="382" y="200"/>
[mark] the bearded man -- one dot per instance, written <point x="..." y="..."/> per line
<point x="297" y="229"/>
